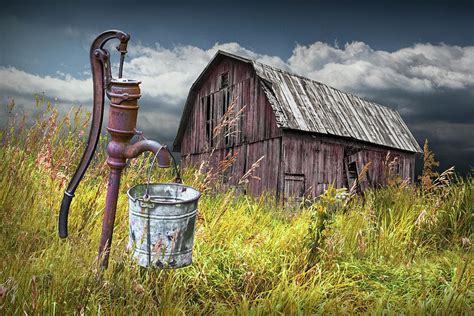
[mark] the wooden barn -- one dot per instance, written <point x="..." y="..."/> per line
<point x="310" y="135"/>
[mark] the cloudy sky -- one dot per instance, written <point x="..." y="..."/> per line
<point x="415" y="58"/>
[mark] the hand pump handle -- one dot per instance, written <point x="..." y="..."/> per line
<point x="101" y="76"/>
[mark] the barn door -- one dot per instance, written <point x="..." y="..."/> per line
<point x="353" y="165"/>
<point x="294" y="188"/>
<point x="351" y="173"/>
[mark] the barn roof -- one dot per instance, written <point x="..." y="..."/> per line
<point x="306" y="105"/>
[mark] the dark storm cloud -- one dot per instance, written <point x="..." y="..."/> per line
<point x="452" y="143"/>
<point x="452" y="106"/>
<point x="445" y="118"/>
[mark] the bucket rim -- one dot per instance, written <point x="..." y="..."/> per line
<point x="165" y="183"/>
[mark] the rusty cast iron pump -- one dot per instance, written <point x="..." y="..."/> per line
<point x="123" y="111"/>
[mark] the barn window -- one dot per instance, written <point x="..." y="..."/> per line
<point x="208" y="114"/>
<point x="227" y="172"/>
<point x="351" y="174"/>
<point x="224" y="80"/>
<point x="225" y="106"/>
<point x="394" y="166"/>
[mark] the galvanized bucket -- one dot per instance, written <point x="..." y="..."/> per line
<point x="162" y="218"/>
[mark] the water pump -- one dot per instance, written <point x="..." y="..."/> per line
<point x="123" y="110"/>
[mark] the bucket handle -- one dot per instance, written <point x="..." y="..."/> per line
<point x="177" y="179"/>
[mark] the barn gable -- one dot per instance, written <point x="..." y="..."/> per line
<point x="188" y="107"/>
<point x="302" y="104"/>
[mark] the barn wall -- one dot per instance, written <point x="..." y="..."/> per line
<point x="319" y="162"/>
<point x="316" y="161"/>
<point x="257" y="121"/>
<point x="264" y="179"/>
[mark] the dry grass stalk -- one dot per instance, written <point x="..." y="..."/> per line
<point x="391" y="165"/>
<point x="229" y="122"/>
<point x="250" y="173"/>
<point x="360" y="178"/>
<point x="226" y="163"/>
<point x="429" y="163"/>
<point x="444" y="179"/>
<point x="228" y="126"/>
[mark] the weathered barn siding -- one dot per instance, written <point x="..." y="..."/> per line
<point x="257" y="122"/>
<point x="269" y="171"/>
<point x="265" y="178"/>
<point x="320" y="160"/>
<point x="256" y="134"/>
<point x="320" y="163"/>
<point x="377" y="170"/>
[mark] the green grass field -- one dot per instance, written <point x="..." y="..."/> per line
<point x="398" y="249"/>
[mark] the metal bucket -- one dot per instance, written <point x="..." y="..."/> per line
<point x="162" y="218"/>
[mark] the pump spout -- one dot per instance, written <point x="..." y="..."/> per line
<point x="163" y="157"/>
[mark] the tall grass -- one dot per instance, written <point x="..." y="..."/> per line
<point x="398" y="249"/>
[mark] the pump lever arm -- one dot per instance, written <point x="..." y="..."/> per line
<point x="100" y="67"/>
